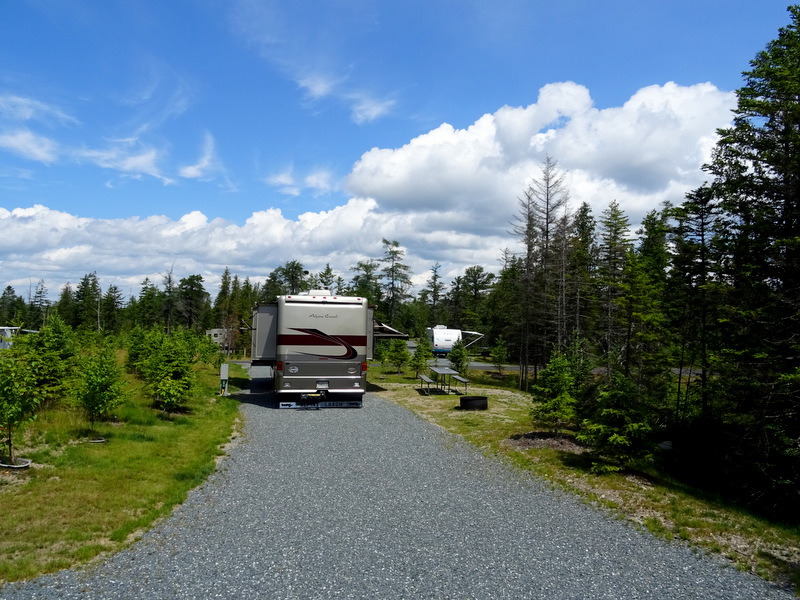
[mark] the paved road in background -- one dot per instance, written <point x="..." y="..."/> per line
<point x="377" y="503"/>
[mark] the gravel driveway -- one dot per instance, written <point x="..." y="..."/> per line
<point x="377" y="503"/>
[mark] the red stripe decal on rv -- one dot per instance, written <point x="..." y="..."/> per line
<point x="315" y="337"/>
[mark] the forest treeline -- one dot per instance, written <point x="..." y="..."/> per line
<point x="684" y="330"/>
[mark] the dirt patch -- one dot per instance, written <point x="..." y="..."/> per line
<point x="543" y="439"/>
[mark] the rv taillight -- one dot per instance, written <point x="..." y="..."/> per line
<point x="279" y="366"/>
<point x="363" y="367"/>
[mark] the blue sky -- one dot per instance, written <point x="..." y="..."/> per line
<point x="139" y="136"/>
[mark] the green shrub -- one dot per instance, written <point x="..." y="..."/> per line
<point x="20" y="393"/>
<point x="99" y="386"/>
<point x="555" y="403"/>
<point x="618" y="431"/>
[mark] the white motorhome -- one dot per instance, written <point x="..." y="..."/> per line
<point x="7" y="335"/>
<point x="443" y="339"/>
<point x="317" y="346"/>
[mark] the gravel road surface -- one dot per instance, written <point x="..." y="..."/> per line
<point x="377" y="503"/>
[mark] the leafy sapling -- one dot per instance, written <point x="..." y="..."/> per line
<point x="99" y="389"/>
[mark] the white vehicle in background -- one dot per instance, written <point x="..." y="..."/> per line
<point x="443" y="339"/>
<point x="317" y="346"/>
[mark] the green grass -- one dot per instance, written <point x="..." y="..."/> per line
<point x="666" y="507"/>
<point x="80" y="500"/>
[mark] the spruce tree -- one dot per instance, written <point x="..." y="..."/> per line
<point x="756" y="181"/>
<point x="612" y="253"/>
<point x="396" y="276"/>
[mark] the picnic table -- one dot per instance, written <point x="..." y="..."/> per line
<point x="443" y="377"/>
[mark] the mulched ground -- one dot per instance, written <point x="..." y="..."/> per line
<point x="544" y="439"/>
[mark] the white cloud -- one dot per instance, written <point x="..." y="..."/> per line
<point x="648" y="150"/>
<point x="208" y="167"/>
<point x="30" y="145"/>
<point x="129" y="156"/>
<point x="311" y="51"/>
<point x="317" y="85"/>
<point x="318" y="182"/>
<point x="205" y="163"/>
<point x="18" y="108"/>
<point x="447" y="196"/>
<point x="366" y="109"/>
<point x="285" y="181"/>
<point x="130" y="159"/>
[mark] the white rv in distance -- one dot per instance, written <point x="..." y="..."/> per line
<point x="443" y="339"/>
<point x="317" y="346"/>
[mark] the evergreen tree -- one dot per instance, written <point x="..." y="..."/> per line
<point x="422" y="354"/>
<point x="553" y="395"/>
<point x="39" y="307"/>
<point x="619" y="430"/>
<point x="55" y="348"/>
<point x="398" y="354"/>
<point x="434" y="293"/>
<point x="476" y="284"/>
<point x="222" y="303"/>
<point x="65" y="306"/>
<point x="541" y="226"/>
<point x="692" y="283"/>
<point x="292" y="277"/>
<point x="271" y="289"/>
<point x="149" y="305"/>
<point x="612" y="251"/>
<point x="87" y="303"/>
<point x="499" y="355"/>
<point x="459" y="358"/>
<point x="111" y="306"/>
<point x="645" y="346"/>
<point x="340" y="287"/>
<point x="756" y="180"/>
<point x="504" y="310"/>
<point x="366" y="281"/>
<point x="327" y="279"/>
<point x="581" y="262"/>
<point x="10" y="313"/>
<point x="193" y="303"/>
<point x="455" y="303"/>
<point x="170" y="304"/>
<point x="397" y="278"/>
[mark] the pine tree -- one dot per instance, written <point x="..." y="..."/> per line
<point x="222" y="303"/>
<point x="612" y="252"/>
<point x="170" y="306"/>
<point x="111" y="309"/>
<point x="581" y="261"/>
<point x="542" y="226"/>
<point x="149" y="305"/>
<point x="422" y="354"/>
<point x="477" y="282"/>
<point x="327" y="278"/>
<point x="65" y="306"/>
<point x="292" y="277"/>
<point x="756" y="181"/>
<point x="366" y="281"/>
<point x="193" y="303"/>
<point x="396" y="276"/>
<point x="434" y="293"/>
<point x="87" y="303"/>
<point x="39" y="307"/>
<point x="553" y="395"/>
<point x="692" y="282"/>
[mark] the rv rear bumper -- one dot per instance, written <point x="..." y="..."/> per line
<point x="319" y="399"/>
